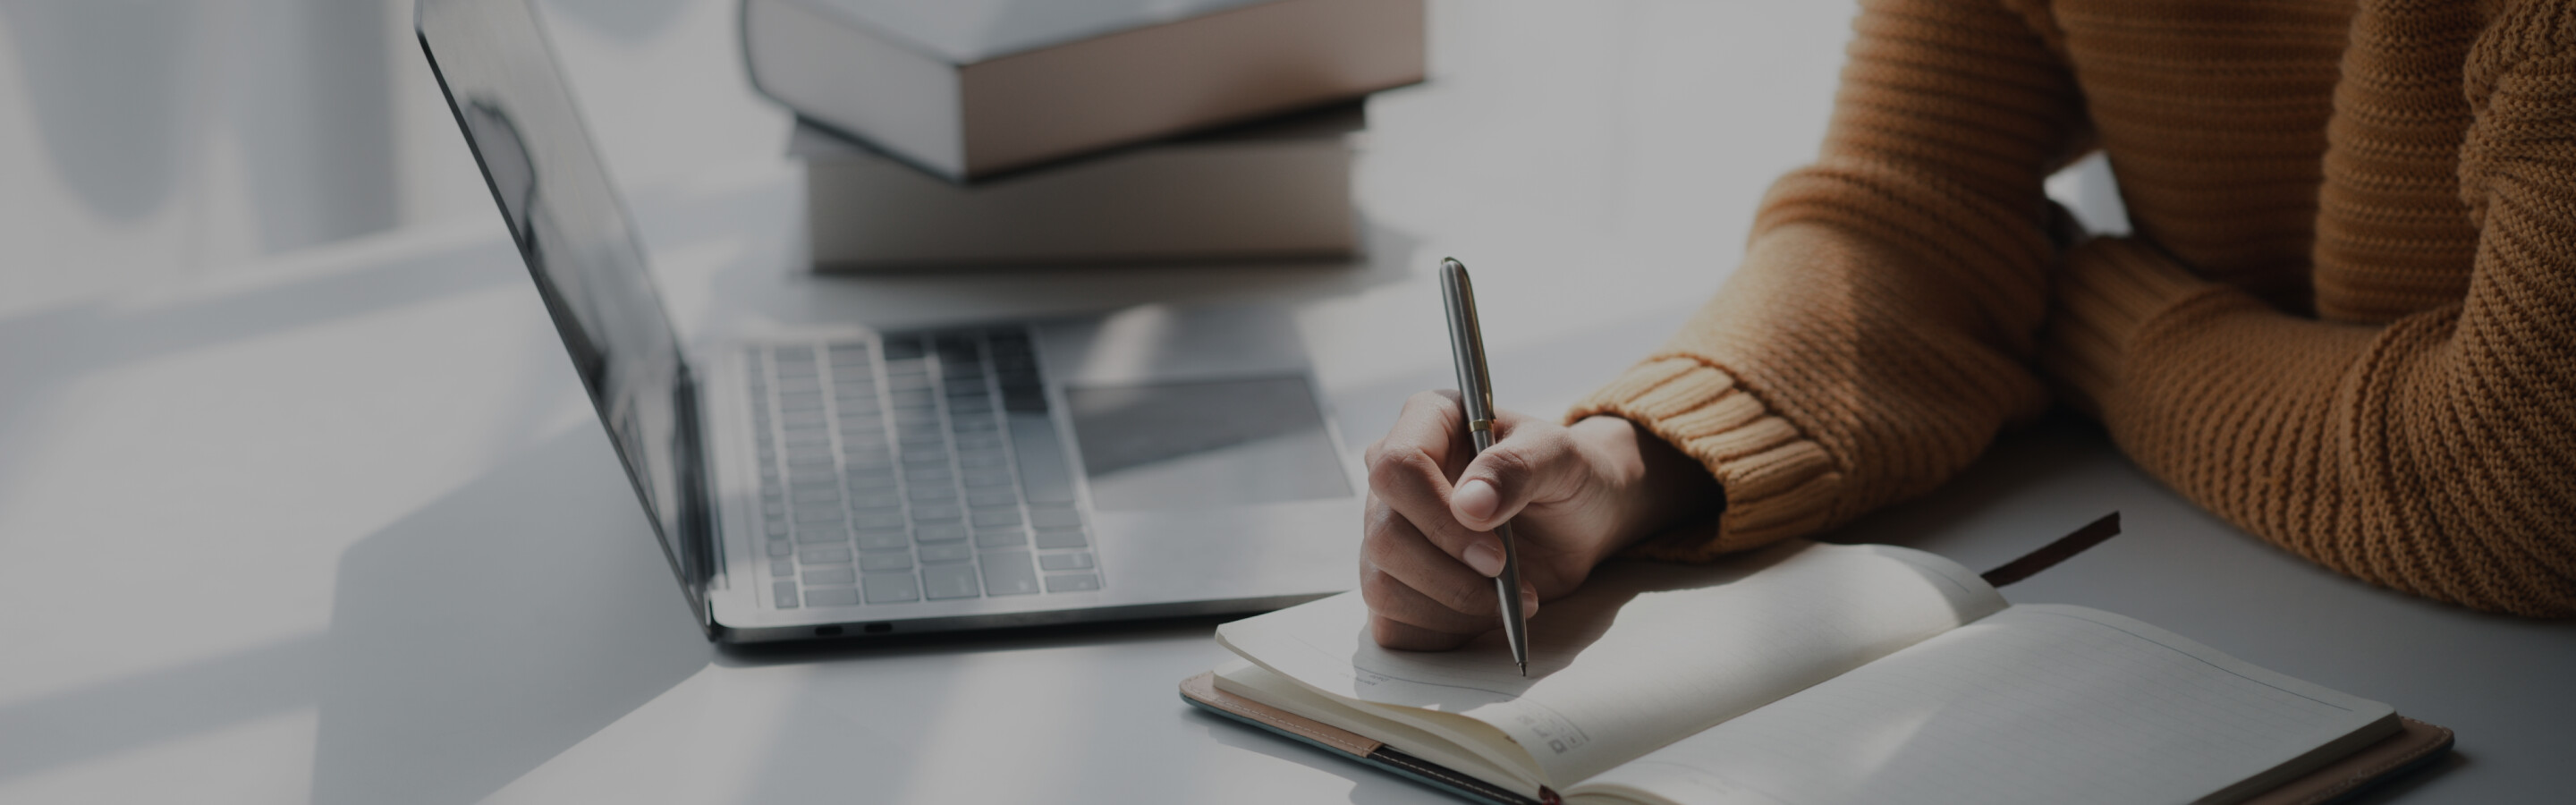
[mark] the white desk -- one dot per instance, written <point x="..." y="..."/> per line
<point x="340" y="528"/>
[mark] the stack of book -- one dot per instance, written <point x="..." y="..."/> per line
<point x="947" y="132"/>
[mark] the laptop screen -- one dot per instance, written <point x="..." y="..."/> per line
<point x="517" y="113"/>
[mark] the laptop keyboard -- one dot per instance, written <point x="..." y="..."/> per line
<point x="918" y="468"/>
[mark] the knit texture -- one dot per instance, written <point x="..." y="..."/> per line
<point x="2345" y="321"/>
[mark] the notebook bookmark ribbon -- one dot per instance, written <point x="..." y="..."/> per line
<point x="2030" y="564"/>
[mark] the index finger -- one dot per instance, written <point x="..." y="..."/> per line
<point x="1434" y="424"/>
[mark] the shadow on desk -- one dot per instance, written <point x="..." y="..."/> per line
<point x="1108" y="633"/>
<point x="470" y="642"/>
<point x="493" y="629"/>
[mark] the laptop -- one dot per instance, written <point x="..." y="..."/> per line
<point x="1150" y="463"/>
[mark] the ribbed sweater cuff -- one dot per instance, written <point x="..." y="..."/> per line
<point x="1778" y="483"/>
<point x="2111" y="289"/>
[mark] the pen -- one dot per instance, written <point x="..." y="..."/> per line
<point x="1476" y="391"/>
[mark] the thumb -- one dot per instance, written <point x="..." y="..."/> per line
<point x="1529" y="464"/>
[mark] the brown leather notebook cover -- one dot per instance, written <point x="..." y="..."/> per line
<point x="2414" y="744"/>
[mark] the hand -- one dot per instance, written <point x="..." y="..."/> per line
<point x="1574" y="497"/>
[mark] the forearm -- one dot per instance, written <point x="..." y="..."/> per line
<point x="2434" y="455"/>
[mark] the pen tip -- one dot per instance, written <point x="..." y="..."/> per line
<point x="1524" y="669"/>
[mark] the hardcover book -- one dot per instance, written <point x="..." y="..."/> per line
<point x="967" y="89"/>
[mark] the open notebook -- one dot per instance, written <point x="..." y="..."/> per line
<point x="1810" y="673"/>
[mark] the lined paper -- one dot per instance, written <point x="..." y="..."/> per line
<point x="2037" y="704"/>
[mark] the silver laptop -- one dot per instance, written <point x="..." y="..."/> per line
<point x="1163" y="462"/>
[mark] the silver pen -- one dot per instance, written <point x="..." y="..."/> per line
<point x="1476" y="391"/>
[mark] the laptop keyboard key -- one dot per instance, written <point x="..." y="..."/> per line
<point x="1064" y="561"/>
<point x="784" y="594"/>
<point x="946" y="552"/>
<point x="824" y="555"/>
<point x="1060" y="538"/>
<point x="801" y="401"/>
<point x="832" y="597"/>
<point x="934" y="475"/>
<point x="949" y="581"/>
<point x="813" y="515"/>
<point x="1054" y="517"/>
<point x="1008" y="574"/>
<point x="890" y="560"/>
<point x="831" y="575"/>
<point x="883" y="540"/>
<point x="891" y="588"/>
<point x="930" y="455"/>
<point x="1072" y="582"/>
<point x="939" y="532"/>
<point x="907" y="381"/>
<point x="1011" y="537"/>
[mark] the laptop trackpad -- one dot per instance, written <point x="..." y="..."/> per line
<point x="1204" y="444"/>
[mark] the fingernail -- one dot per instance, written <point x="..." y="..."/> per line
<point x="1529" y="602"/>
<point x="1476" y="499"/>
<point x="1485" y="557"/>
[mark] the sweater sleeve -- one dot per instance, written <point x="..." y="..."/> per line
<point x="1878" y="332"/>
<point x="2435" y="454"/>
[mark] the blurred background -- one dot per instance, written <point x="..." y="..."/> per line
<point x="145" y="140"/>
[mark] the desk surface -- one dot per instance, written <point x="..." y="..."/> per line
<point x="340" y="527"/>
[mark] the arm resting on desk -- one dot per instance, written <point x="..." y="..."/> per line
<point x="2434" y="454"/>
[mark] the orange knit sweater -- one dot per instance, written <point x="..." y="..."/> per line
<point x="2346" y="321"/>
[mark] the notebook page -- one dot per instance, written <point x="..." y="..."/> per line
<point x="1644" y="655"/>
<point x="2037" y="704"/>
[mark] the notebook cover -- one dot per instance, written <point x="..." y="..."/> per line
<point x="2415" y="745"/>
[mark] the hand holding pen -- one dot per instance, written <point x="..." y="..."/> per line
<point x="1573" y="496"/>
